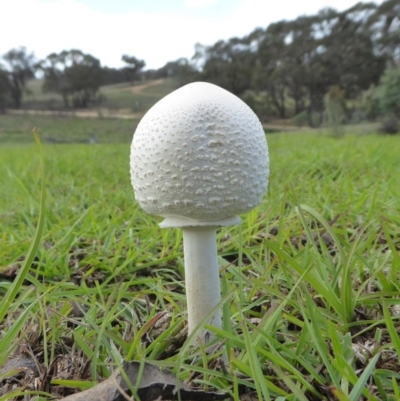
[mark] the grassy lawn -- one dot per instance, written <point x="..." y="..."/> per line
<point x="310" y="279"/>
<point x="18" y="129"/>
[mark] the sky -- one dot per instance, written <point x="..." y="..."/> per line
<point x="156" y="31"/>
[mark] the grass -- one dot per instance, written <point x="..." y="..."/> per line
<point x="18" y="129"/>
<point x="121" y="97"/>
<point x="310" y="279"/>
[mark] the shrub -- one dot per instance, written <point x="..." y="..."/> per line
<point x="372" y="103"/>
<point x="335" y="110"/>
<point x="384" y="100"/>
<point x="301" y="119"/>
<point x="390" y="125"/>
<point x="357" y="117"/>
<point x="258" y="104"/>
<point x="390" y="99"/>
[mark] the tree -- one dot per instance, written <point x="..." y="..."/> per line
<point x="288" y="66"/>
<point x="390" y="93"/>
<point x="332" y="49"/>
<point x="5" y="89"/>
<point x="113" y="76"/>
<point x="227" y="64"/>
<point x="21" y="67"/>
<point x="384" y="101"/>
<point x="134" y="67"/>
<point x="348" y="52"/>
<point x="181" y="70"/>
<point x="384" y="26"/>
<point x="74" y="75"/>
<point x="297" y="62"/>
<point x="305" y="75"/>
<point x="271" y="71"/>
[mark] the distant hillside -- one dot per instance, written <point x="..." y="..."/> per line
<point x="136" y="98"/>
<point x="125" y="98"/>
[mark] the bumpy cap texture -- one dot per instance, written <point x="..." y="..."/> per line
<point x="199" y="153"/>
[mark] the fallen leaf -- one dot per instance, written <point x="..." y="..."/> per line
<point x="154" y="385"/>
<point x="15" y="366"/>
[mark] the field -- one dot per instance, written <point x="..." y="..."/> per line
<point x="65" y="129"/>
<point x="135" y="98"/>
<point x="310" y="279"/>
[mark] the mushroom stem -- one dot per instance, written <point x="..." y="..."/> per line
<point x="201" y="277"/>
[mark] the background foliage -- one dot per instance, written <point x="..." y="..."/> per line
<point x="283" y="70"/>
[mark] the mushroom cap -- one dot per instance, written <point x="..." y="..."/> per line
<point x="199" y="153"/>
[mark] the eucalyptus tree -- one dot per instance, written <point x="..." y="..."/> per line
<point x="20" y="66"/>
<point x="306" y="78"/>
<point x="228" y="64"/>
<point x="331" y="49"/>
<point x="348" y="52"/>
<point x="5" y="89"/>
<point x="74" y="75"/>
<point x="182" y="71"/>
<point x="133" y="68"/>
<point x="271" y="66"/>
<point x="384" y="26"/>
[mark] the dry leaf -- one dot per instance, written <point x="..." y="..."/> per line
<point x="154" y="385"/>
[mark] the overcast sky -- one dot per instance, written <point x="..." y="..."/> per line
<point x="157" y="31"/>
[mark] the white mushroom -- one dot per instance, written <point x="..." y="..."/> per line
<point x="199" y="157"/>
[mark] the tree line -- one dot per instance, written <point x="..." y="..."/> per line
<point x="298" y="63"/>
<point x="290" y="68"/>
<point x="73" y="75"/>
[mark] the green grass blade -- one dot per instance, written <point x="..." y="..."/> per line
<point x="359" y="387"/>
<point x="17" y="283"/>
<point x="312" y="319"/>
<point x="11" y="335"/>
<point x="256" y="371"/>
<point x="394" y="336"/>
